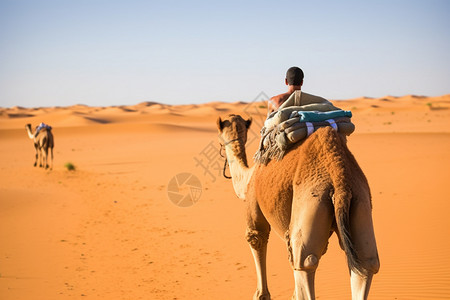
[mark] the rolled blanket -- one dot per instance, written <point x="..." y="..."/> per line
<point x="285" y="113"/>
<point x="301" y="132"/>
<point x="291" y="125"/>
<point x="317" y="116"/>
<point x="300" y="98"/>
<point x="335" y="123"/>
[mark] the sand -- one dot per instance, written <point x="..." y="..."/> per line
<point x="109" y="230"/>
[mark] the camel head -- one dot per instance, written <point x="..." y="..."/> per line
<point x="233" y="136"/>
<point x="232" y="128"/>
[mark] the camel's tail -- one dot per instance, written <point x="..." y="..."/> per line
<point x="342" y="198"/>
<point x="342" y="202"/>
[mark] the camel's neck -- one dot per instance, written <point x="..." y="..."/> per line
<point x="30" y="134"/>
<point x="240" y="172"/>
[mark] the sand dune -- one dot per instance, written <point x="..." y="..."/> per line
<point x="110" y="231"/>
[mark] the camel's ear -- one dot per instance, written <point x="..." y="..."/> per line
<point x="219" y="124"/>
<point x="248" y="122"/>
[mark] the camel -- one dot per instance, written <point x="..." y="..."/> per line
<point x="315" y="190"/>
<point x="42" y="142"/>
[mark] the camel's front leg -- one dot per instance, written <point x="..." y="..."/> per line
<point x="259" y="251"/>
<point x="41" y="157"/>
<point x="257" y="236"/>
<point x="36" y="155"/>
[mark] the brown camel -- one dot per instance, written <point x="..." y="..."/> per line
<point x="315" y="190"/>
<point x="42" y="142"/>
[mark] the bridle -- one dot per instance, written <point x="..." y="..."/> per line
<point x="222" y="146"/>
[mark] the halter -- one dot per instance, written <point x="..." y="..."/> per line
<point x="224" y="156"/>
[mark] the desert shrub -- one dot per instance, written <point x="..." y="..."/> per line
<point x="69" y="166"/>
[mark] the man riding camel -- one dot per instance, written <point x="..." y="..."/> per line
<point x="294" y="81"/>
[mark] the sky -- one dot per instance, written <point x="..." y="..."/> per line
<point x="101" y="53"/>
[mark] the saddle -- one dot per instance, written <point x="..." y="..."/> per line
<point x="293" y="123"/>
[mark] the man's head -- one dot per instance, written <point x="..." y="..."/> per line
<point x="294" y="76"/>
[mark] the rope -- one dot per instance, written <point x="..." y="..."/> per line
<point x="226" y="159"/>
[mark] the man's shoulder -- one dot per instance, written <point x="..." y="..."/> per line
<point x="282" y="96"/>
<point x="279" y="99"/>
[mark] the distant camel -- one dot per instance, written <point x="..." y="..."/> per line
<point x="42" y="142"/>
<point x="315" y="190"/>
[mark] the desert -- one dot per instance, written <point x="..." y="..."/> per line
<point x="110" y="229"/>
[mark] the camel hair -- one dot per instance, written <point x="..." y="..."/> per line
<point x="42" y="142"/>
<point x="315" y="190"/>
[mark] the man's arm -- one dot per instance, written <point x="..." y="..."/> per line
<point x="271" y="106"/>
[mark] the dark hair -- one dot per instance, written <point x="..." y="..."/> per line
<point x="294" y="76"/>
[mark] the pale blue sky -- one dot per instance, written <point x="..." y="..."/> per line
<point x="178" y="52"/>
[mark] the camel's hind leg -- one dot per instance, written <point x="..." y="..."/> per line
<point x="365" y="245"/>
<point x="307" y="239"/>
<point x="51" y="157"/>
<point x="45" y="156"/>
<point x="257" y="234"/>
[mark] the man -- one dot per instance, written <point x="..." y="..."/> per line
<point x="294" y="81"/>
